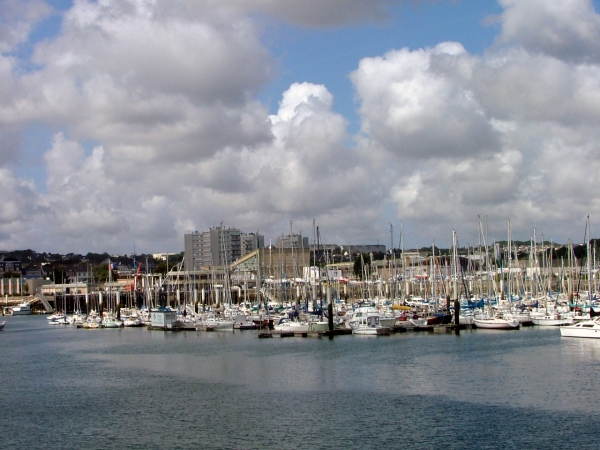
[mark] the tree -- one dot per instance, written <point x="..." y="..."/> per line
<point x="161" y="267"/>
<point x="102" y="273"/>
<point x="360" y="262"/>
<point x="175" y="259"/>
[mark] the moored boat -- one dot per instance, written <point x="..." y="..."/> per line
<point x="584" y="329"/>
<point x="22" y="309"/>
<point x="291" y="326"/>
<point x="212" y="322"/>
<point x="366" y="321"/>
<point x="243" y="322"/>
<point x="496" y="323"/>
<point x="552" y="320"/>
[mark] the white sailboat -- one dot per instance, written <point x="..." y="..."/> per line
<point x="585" y="328"/>
<point x="291" y="326"/>
<point x="495" y="323"/>
<point x="491" y="321"/>
<point x="552" y="320"/>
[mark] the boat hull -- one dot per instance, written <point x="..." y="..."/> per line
<point x="292" y="327"/>
<point x="496" y="324"/>
<point x="20" y="310"/>
<point x="588" y="329"/>
<point x="552" y="322"/>
<point x="372" y="331"/>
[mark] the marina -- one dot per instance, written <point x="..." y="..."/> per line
<point x="132" y="388"/>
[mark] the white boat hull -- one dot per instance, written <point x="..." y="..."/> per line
<point x="23" y="309"/>
<point x="215" y="325"/>
<point x="292" y="327"/>
<point x="318" y="326"/>
<point x="371" y="331"/>
<point x="496" y="324"/>
<point x="545" y="322"/>
<point x="589" y="329"/>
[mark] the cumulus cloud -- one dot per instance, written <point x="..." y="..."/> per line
<point x="317" y="13"/>
<point x="19" y="209"/>
<point x="18" y="19"/>
<point x="510" y="134"/>
<point x="420" y="103"/>
<point x="157" y="130"/>
<point x="568" y="29"/>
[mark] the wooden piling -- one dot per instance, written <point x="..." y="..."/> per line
<point x="456" y="316"/>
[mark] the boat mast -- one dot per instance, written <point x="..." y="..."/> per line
<point x="589" y="259"/>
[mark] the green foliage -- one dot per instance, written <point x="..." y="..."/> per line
<point x="378" y="256"/>
<point x="175" y="259"/>
<point x="161" y="267"/>
<point x="360" y="262"/>
<point x="96" y="258"/>
<point x="101" y="273"/>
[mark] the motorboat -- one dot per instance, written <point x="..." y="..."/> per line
<point x="59" y="320"/>
<point x="22" y="309"/>
<point x="366" y="320"/>
<point x="243" y="322"/>
<point x="56" y="316"/>
<point x="583" y="329"/>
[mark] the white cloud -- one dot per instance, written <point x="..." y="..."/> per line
<point x="420" y="103"/>
<point x="566" y="29"/>
<point x="157" y="129"/>
<point x="512" y="134"/>
<point x="18" y="210"/>
<point x="18" y="19"/>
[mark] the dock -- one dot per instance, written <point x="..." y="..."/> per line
<point x="447" y="328"/>
<point x="305" y="334"/>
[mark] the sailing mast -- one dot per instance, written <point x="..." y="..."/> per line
<point x="589" y="260"/>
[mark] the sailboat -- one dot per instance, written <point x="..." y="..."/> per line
<point x="490" y="321"/>
<point x="585" y="328"/>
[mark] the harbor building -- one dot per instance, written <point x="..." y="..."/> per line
<point x="250" y="242"/>
<point x="218" y="246"/>
<point x="292" y="241"/>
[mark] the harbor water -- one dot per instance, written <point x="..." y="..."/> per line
<point x="63" y="387"/>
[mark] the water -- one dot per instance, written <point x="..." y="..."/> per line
<point x="132" y="388"/>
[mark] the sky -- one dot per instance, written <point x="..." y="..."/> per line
<point x="125" y="124"/>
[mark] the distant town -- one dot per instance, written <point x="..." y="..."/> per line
<point x="228" y="247"/>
